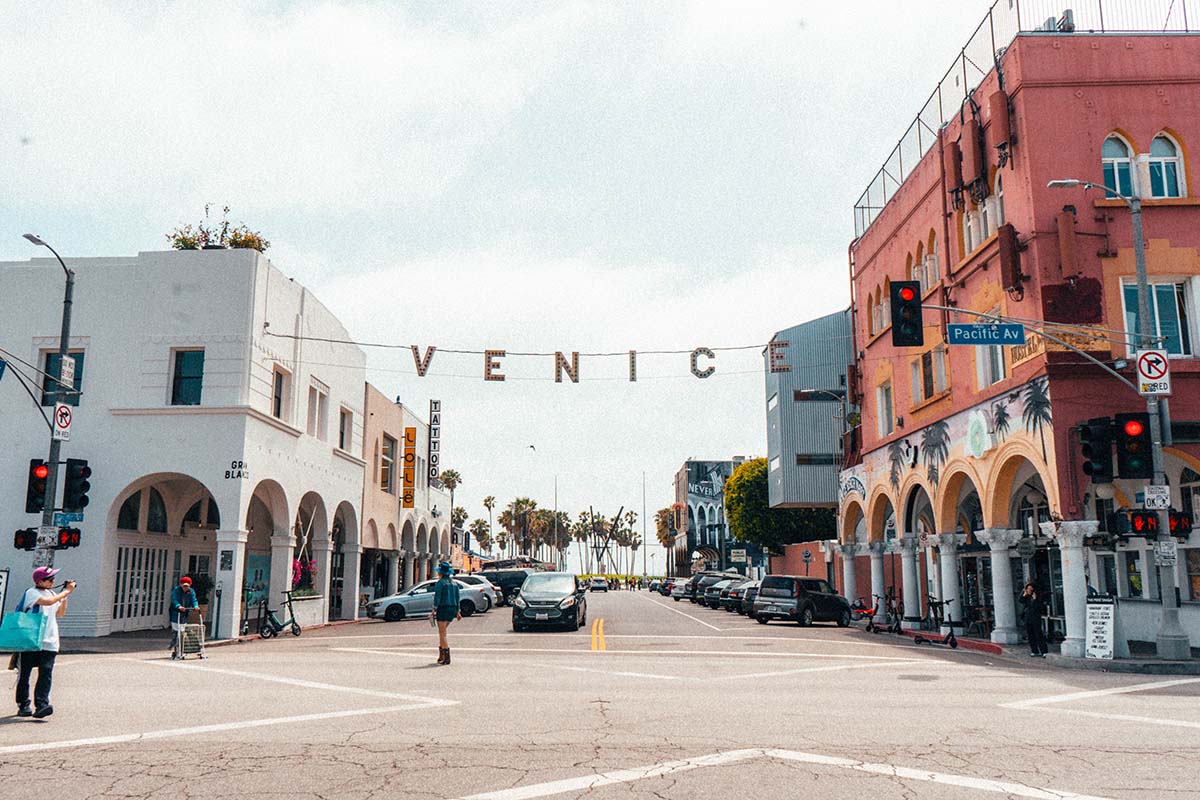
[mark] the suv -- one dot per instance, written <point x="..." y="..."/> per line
<point x="489" y="591"/>
<point x="506" y="580"/>
<point x="801" y="600"/>
<point x="701" y="581"/>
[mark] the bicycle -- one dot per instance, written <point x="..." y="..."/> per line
<point x="271" y="624"/>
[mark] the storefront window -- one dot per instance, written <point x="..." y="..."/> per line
<point x="1193" y="571"/>
<point x="1133" y="573"/>
<point x="1106" y="581"/>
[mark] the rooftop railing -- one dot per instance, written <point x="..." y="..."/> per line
<point x="1003" y="21"/>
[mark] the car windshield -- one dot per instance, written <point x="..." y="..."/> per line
<point x="550" y="584"/>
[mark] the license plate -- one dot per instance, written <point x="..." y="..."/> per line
<point x="774" y="609"/>
<point x="541" y="617"/>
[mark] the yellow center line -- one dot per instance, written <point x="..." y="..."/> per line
<point x="595" y="627"/>
<point x="602" y="647"/>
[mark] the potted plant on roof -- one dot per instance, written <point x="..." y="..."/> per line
<point x="210" y="236"/>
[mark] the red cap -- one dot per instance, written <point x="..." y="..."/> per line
<point x="186" y="579"/>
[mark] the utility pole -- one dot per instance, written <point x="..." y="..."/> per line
<point x="44" y="555"/>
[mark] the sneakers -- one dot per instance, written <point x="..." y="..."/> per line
<point x="43" y="712"/>
<point x="24" y="711"/>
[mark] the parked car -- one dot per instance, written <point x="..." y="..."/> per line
<point x="749" y="592"/>
<point x="552" y="599"/>
<point x="701" y="581"/>
<point x="654" y="584"/>
<point x="679" y="589"/>
<point x="712" y="593"/>
<point x="598" y="585"/>
<point x="801" y="600"/>
<point x="418" y="602"/>
<point x="731" y="597"/>
<point x="506" y="580"/>
<point x="666" y="586"/>
<point x="489" y="590"/>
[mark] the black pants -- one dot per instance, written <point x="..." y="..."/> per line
<point x="1037" y="639"/>
<point x="44" y="661"/>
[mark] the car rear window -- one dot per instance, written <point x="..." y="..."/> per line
<point x="775" y="586"/>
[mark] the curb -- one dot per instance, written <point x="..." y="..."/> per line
<point x="254" y="636"/>
<point x="1146" y="667"/>
<point x="976" y="645"/>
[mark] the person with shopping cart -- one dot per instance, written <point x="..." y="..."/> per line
<point x="183" y="600"/>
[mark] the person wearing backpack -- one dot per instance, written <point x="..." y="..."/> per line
<point x="54" y="605"/>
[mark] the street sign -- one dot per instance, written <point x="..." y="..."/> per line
<point x="737" y="556"/>
<point x="1166" y="554"/>
<point x="1026" y="548"/>
<point x="1099" y="621"/>
<point x="806" y="556"/>
<point x="1158" y="497"/>
<point x="1153" y="372"/>
<point x="985" y="333"/>
<point x="66" y="373"/>
<point x="64" y="518"/>
<point x="47" y="536"/>
<point x="62" y="423"/>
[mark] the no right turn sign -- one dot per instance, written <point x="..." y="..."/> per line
<point x="1153" y="372"/>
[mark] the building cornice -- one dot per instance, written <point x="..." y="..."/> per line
<point x="183" y="411"/>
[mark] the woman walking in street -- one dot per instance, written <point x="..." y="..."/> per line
<point x="445" y="608"/>
<point x="1034" y="608"/>
<point x="53" y="605"/>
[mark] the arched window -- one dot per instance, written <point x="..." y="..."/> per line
<point x="908" y="269"/>
<point x="870" y="314"/>
<point x="932" y="268"/>
<point x="885" y="310"/>
<point x="917" y="273"/>
<point x="1118" y="166"/>
<point x="998" y="201"/>
<point x="156" y="515"/>
<point x="1165" y="168"/>
<point x="968" y="232"/>
<point x="127" y="517"/>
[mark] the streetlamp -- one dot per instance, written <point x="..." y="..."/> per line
<point x="44" y="557"/>
<point x="1172" y="640"/>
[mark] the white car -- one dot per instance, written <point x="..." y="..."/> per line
<point x="418" y="602"/>
<point x="598" y="585"/>
<point x="489" y="590"/>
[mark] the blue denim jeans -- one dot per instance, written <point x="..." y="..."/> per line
<point x="44" y="661"/>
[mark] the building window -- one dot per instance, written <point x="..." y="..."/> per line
<point x="932" y="270"/>
<point x="387" y="465"/>
<point x="156" y="513"/>
<point x="774" y="463"/>
<point x="50" y="384"/>
<point x="929" y="375"/>
<point x="318" y="411"/>
<point x="883" y="399"/>
<point x="1165" y="171"/>
<point x="990" y="359"/>
<point x="127" y="517"/>
<point x="997" y="201"/>
<point x="1169" y="317"/>
<point x="345" y="429"/>
<point x="280" y="386"/>
<point x="773" y="402"/>
<point x="1118" y="166"/>
<point x="187" y="377"/>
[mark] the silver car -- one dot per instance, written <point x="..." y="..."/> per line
<point x="679" y="589"/>
<point x="418" y="602"/>
<point x="489" y="591"/>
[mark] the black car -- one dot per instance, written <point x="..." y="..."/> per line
<point x="701" y="581"/>
<point x="800" y="600"/>
<point x="549" y="599"/>
<point x="712" y="593"/>
<point x="731" y="597"/>
<point x="508" y="581"/>
<point x="749" y="592"/>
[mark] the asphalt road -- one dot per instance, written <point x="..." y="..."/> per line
<point x="652" y="699"/>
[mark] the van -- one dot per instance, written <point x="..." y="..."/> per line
<point x="800" y="600"/>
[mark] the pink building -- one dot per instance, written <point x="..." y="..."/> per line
<point x="965" y="451"/>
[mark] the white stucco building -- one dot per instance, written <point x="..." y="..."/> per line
<point x="218" y="445"/>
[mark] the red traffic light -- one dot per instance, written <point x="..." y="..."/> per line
<point x="907" y="294"/>
<point x="1134" y="427"/>
<point x="41" y="472"/>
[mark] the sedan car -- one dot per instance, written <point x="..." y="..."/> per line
<point x="712" y="594"/>
<point x="679" y="589"/>
<point x="749" y="592"/>
<point x="598" y="585"/>
<point x="492" y="594"/>
<point x="418" y="602"/>
<point x="731" y="598"/>
<point x="550" y="599"/>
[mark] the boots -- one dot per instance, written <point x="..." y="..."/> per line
<point x="446" y="655"/>
<point x="443" y="655"/>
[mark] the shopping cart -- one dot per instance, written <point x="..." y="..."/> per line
<point x="189" y="639"/>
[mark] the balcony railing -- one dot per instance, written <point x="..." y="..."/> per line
<point x="1003" y="21"/>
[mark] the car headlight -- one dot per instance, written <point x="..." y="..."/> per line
<point x="570" y="601"/>
<point x="519" y="602"/>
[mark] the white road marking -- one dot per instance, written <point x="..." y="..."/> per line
<point x="313" y="641"/>
<point x="835" y="668"/>
<point x="329" y="687"/>
<point x="587" y="782"/>
<point x="1170" y="723"/>
<point x="516" y="663"/>
<point x="224" y="726"/>
<point x="677" y="611"/>
<point x="706" y="653"/>
<point x="1066" y="698"/>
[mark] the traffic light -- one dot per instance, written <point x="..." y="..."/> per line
<point x="75" y="485"/>
<point x="67" y="538"/>
<point x="1133" y="523"/>
<point x="905" y="299"/>
<point x="35" y="489"/>
<point x="1133" y="446"/>
<point x="1095" y="442"/>
<point x="25" y="539"/>
<point x="1181" y="523"/>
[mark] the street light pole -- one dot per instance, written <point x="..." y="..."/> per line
<point x="1171" y="640"/>
<point x="44" y="555"/>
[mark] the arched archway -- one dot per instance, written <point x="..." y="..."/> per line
<point x="1017" y="493"/>
<point x="345" y="562"/>
<point x="880" y="515"/>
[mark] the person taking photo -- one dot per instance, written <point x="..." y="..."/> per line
<point x="54" y="605"/>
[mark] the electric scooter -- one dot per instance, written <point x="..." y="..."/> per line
<point x="272" y="626"/>
<point x="949" y="639"/>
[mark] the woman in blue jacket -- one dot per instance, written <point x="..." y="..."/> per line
<point x="445" y="608"/>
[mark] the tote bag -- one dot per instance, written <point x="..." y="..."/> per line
<point x="21" y="631"/>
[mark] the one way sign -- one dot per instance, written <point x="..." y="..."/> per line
<point x="1153" y="372"/>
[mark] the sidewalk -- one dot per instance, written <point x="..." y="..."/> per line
<point x="128" y="642"/>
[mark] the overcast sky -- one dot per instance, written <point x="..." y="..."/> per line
<point x="520" y="176"/>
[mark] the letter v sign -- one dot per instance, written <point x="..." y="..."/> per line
<point x="422" y="363"/>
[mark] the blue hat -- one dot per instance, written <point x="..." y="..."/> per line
<point x="444" y="568"/>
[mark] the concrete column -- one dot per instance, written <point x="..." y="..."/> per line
<point x="323" y="556"/>
<point x="877" y="582"/>
<point x="231" y="573"/>
<point x="849" y="579"/>
<point x="393" y="578"/>
<point x="1070" y="536"/>
<point x="283" y="552"/>
<point x="1150" y="588"/>
<point x="422" y="567"/>
<point x="351" y="577"/>
<point x="948" y="556"/>
<point x="910" y="546"/>
<point x="1000" y="540"/>
<point x="409" y="565"/>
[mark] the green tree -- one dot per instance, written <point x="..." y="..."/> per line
<point x="482" y="532"/>
<point x="459" y="517"/>
<point x="751" y="519"/>
<point x="452" y="480"/>
<point x="489" y="503"/>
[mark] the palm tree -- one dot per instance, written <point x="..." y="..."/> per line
<point x="1000" y="419"/>
<point x="481" y="530"/>
<point x="1036" y="414"/>
<point x="489" y="503"/>
<point x="896" y="459"/>
<point x="935" y="448"/>
<point x="451" y="480"/>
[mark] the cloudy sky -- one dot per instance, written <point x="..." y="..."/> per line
<point x="520" y="176"/>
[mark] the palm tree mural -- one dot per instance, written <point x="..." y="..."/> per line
<point x="1000" y="418"/>
<point x="935" y="448"/>
<point x="1036" y="414"/>
<point x="896" y="459"/>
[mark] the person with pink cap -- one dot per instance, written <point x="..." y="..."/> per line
<point x="53" y="605"/>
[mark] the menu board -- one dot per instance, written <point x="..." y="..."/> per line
<point x="1101" y="613"/>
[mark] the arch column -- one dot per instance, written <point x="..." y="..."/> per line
<point x="909" y="547"/>
<point x="877" y="582"/>
<point x="849" y="579"/>
<point x="407" y="559"/>
<point x="422" y="567"/>
<point x="393" y="579"/>
<point x="351" y="575"/>
<point x="322" y="547"/>
<point x="231" y="552"/>
<point x="283" y="552"/>
<point x="1070" y="536"/>
<point x="1000" y="540"/>
<point x="951" y="596"/>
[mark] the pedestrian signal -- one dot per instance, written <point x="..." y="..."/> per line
<point x="68" y="538"/>
<point x="25" y="539"/>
